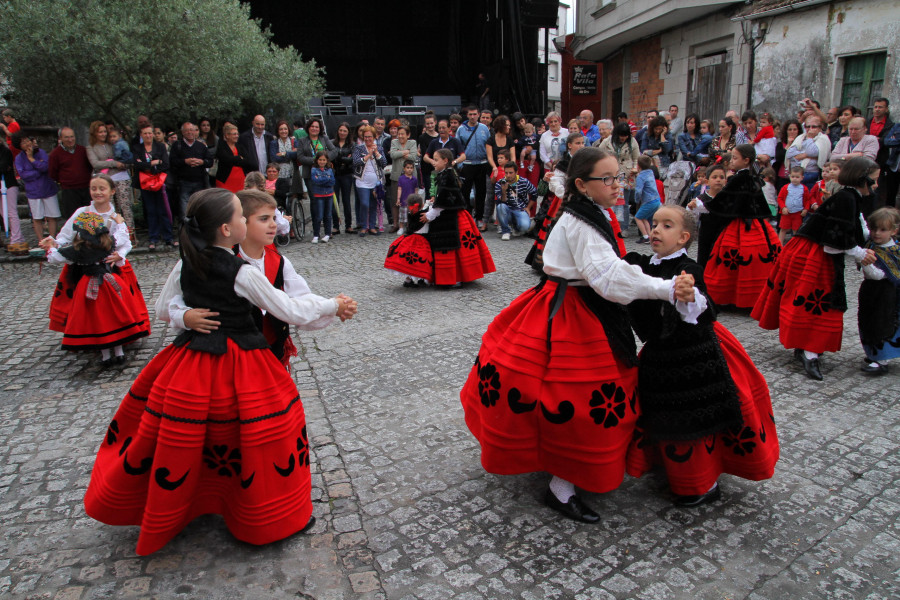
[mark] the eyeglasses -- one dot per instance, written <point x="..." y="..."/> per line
<point x="608" y="180"/>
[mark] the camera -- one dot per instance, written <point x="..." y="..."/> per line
<point x="801" y="105"/>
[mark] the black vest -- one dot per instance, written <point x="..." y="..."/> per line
<point x="217" y="293"/>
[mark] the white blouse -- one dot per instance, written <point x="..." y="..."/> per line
<point x="119" y="233"/>
<point x="577" y="251"/>
<point x="306" y="310"/>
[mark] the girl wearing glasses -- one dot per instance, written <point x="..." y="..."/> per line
<point x="554" y="386"/>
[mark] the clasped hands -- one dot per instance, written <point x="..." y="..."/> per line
<point x="684" y="288"/>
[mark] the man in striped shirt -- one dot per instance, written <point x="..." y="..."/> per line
<point x="515" y="197"/>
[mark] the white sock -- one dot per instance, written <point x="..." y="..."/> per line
<point x="104" y="353"/>
<point x="562" y="489"/>
<point x="810" y="355"/>
<point x="119" y="351"/>
<point x="874" y="364"/>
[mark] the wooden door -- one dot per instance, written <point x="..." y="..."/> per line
<point x="709" y="86"/>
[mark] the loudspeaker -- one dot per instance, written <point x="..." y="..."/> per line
<point x="365" y="105"/>
<point x="412" y="110"/>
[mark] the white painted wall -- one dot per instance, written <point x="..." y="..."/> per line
<point x="554" y="85"/>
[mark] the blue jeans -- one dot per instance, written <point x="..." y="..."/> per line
<point x="367" y="214"/>
<point x="320" y="206"/>
<point x="810" y="178"/>
<point x="623" y="216"/>
<point x="343" y="189"/>
<point x="157" y="218"/>
<point x="521" y="220"/>
<point x="186" y="189"/>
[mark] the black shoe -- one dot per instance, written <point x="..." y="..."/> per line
<point x="423" y="283"/>
<point x="811" y="366"/>
<point x="108" y="362"/>
<point x="798" y="355"/>
<point x="120" y="360"/>
<point x="575" y="508"/>
<point x="692" y="501"/>
<point x="409" y="284"/>
<point x="642" y="240"/>
<point x="878" y="369"/>
<point x="309" y="525"/>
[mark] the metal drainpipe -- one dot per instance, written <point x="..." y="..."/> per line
<point x="750" y="75"/>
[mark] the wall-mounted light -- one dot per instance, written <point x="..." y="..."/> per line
<point x="666" y="60"/>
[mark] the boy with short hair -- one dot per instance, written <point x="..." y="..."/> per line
<point x="793" y="204"/>
<point x="515" y="197"/>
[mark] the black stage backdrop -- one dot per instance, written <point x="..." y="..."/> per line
<point x="404" y="48"/>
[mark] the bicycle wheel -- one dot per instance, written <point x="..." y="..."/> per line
<point x="299" y="218"/>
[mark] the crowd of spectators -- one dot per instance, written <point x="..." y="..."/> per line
<point x="161" y="169"/>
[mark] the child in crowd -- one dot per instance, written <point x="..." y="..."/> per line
<point x="321" y="192"/>
<point x="213" y="424"/>
<point x="121" y="150"/>
<point x="825" y="187"/>
<point x="529" y="168"/>
<point x="460" y="254"/>
<point x="410" y="254"/>
<point x="515" y="197"/>
<point x="879" y="301"/>
<point x="529" y="138"/>
<point x="699" y="185"/>
<point x="646" y="197"/>
<point x="768" y="176"/>
<point x="254" y="180"/>
<point x="497" y="175"/>
<point x="407" y="185"/>
<point x="554" y="386"/>
<point x="804" y="296"/>
<point x="102" y="190"/>
<point x="793" y="204"/>
<point x="700" y="392"/>
<point x="104" y="311"/>
<point x="738" y="244"/>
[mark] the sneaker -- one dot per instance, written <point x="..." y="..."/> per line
<point x="499" y="229"/>
<point x="325" y="239"/>
<point x="505" y="237"/>
<point x="315" y="240"/>
<point x="400" y="231"/>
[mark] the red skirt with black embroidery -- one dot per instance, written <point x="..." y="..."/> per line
<point x="411" y="255"/>
<point x="471" y="261"/>
<point x="749" y="451"/>
<point x="740" y="263"/>
<point x="61" y="303"/>
<point x="569" y="409"/>
<point x="199" y="434"/>
<point x="111" y="319"/>
<point x="796" y="299"/>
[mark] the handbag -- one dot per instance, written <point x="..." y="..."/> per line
<point x="152" y="182"/>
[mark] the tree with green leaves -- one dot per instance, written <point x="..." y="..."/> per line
<point x="69" y="60"/>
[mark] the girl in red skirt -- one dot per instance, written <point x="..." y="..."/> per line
<point x="410" y="254"/>
<point x="103" y="312"/>
<point x="737" y="244"/>
<point x="213" y="424"/>
<point x="705" y="408"/>
<point x="804" y="297"/>
<point x="102" y="190"/>
<point x="460" y="254"/>
<point x="554" y="386"/>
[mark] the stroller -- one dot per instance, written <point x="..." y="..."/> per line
<point x="678" y="182"/>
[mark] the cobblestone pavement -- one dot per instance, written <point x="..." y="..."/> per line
<point x="405" y="509"/>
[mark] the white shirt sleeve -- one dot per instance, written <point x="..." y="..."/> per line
<point x="433" y="213"/>
<point x="610" y="276"/>
<point x="53" y="256"/>
<point x="303" y="310"/>
<point x="282" y="227"/>
<point x="66" y="233"/>
<point x="122" y="240"/>
<point x="873" y="272"/>
<point x="171" y="289"/>
<point x="558" y="183"/>
<point x="689" y="311"/>
<point x="857" y="252"/>
<point x="699" y="208"/>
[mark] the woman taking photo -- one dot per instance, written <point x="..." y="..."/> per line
<point x="151" y="159"/>
<point x="101" y="155"/>
<point x="368" y="169"/>
<point x="232" y="166"/>
<point x="790" y="129"/>
<point x="343" y="176"/>
<point x="725" y="142"/>
<point x="691" y="142"/>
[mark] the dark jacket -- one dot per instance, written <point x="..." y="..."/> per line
<point x="181" y="151"/>
<point x="142" y="163"/>
<point x="343" y="162"/>
<point x="227" y="160"/>
<point x="247" y="149"/>
<point x="882" y="156"/>
<point x="306" y="155"/>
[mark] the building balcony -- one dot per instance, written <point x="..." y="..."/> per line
<point x="605" y="26"/>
